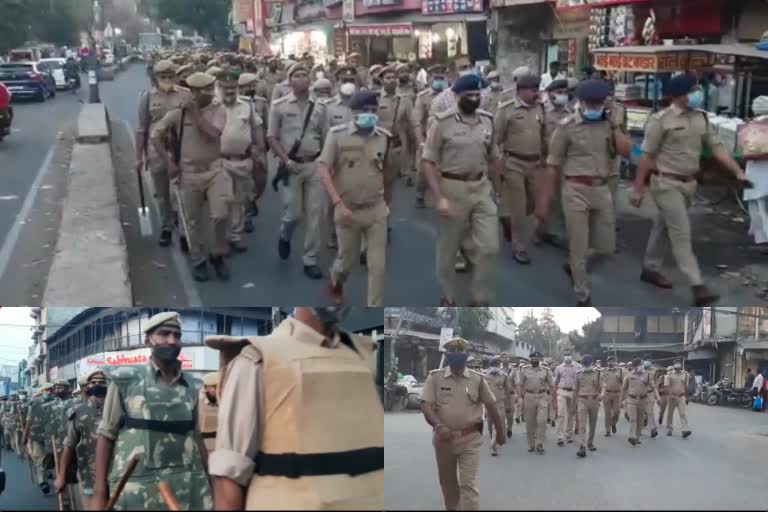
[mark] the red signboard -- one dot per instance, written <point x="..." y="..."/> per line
<point x="381" y="29"/>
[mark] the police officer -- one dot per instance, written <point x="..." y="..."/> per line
<point x="152" y="410"/>
<point x="204" y="174"/>
<point x="163" y="97"/>
<point x="634" y="393"/>
<point x="501" y="387"/>
<point x="457" y="156"/>
<point x="248" y="87"/>
<point x="588" y="392"/>
<point x="676" y="383"/>
<point x="453" y="400"/>
<point x="534" y="385"/>
<point x="587" y="200"/>
<point x="420" y="118"/>
<point x="613" y="378"/>
<point x="284" y="439"/>
<point x="209" y="410"/>
<point x="492" y="99"/>
<point x="355" y="186"/>
<point x="520" y="125"/>
<point x="34" y="433"/>
<point x="303" y="196"/>
<point x="674" y="139"/>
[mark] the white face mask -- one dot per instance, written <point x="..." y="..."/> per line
<point x="347" y="89"/>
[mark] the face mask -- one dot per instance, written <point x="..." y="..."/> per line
<point x="456" y="359"/>
<point x="468" y="106"/>
<point x="560" y="99"/>
<point x="593" y="115"/>
<point x="646" y="364"/>
<point x="166" y="353"/>
<point x="98" y="391"/>
<point x="695" y="99"/>
<point x="678" y="366"/>
<point x="568" y="359"/>
<point x="165" y="84"/>
<point x="439" y="85"/>
<point x="366" y="120"/>
<point x="347" y="89"/>
<point x="534" y="363"/>
<point x="496" y="86"/>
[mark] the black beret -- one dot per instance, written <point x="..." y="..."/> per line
<point x="593" y="90"/>
<point x="557" y="84"/>
<point x="528" y="82"/>
<point x="364" y="99"/>
<point x="680" y="85"/>
<point x="468" y="83"/>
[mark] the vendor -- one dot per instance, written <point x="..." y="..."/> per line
<point x="757" y="172"/>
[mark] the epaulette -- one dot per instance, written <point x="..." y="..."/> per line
<point x="445" y="114"/>
<point x="484" y="113"/>
<point x="384" y="131"/>
<point x="339" y="127"/>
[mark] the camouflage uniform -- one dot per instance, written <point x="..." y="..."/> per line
<point x="81" y="437"/>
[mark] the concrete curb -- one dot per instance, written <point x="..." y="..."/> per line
<point x="90" y="265"/>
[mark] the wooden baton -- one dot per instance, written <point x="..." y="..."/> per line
<point x="167" y="493"/>
<point x="122" y="482"/>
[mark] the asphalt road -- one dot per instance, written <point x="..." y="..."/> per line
<point x="20" y="493"/>
<point x="716" y="468"/>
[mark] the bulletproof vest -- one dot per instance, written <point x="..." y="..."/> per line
<point x="86" y="418"/>
<point x="159" y="423"/>
<point x="209" y="416"/>
<point x="323" y="427"/>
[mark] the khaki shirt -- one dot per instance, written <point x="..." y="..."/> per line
<point x="198" y="150"/>
<point x="286" y="119"/>
<point x="420" y="115"/>
<point x="588" y="383"/>
<point x="675" y="139"/>
<point x="613" y="378"/>
<point x="240" y="123"/>
<point x="519" y="130"/>
<point x="582" y="148"/>
<point x="535" y="379"/>
<point x="458" y="400"/>
<point x="461" y="144"/>
<point x="636" y="384"/>
<point x="395" y="116"/>
<point x="676" y="382"/>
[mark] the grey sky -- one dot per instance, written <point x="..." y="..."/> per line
<point x="15" y="334"/>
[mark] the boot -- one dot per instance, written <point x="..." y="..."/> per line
<point x="582" y="452"/>
<point x="703" y="296"/>
<point x="222" y="272"/>
<point x="200" y="272"/>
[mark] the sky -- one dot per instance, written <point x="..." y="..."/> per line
<point x="568" y="319"/>
<point x="15" y="335"/>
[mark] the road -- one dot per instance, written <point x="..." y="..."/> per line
<point x="162" y="276"/>
<point x="20" y="493"/>
<point x="713" y="469"/>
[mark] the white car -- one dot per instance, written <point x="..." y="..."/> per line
<point x="55" y="67"/>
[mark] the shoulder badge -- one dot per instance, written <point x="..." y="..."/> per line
<point x="383" y="131"/>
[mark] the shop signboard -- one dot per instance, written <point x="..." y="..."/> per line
<point x="652" y="62"/>
<point x="451" y="6"/>
<point x="381" y="29"/>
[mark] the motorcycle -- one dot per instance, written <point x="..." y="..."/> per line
<point x="395" y="395"/>
<point x="723" y="393"/>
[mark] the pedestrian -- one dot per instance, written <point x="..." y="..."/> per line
<point x="612" y="378"/>
<point x="677" y="384"/>
<point x="674" y="139"/>
<point x="452" y="402"/>
<point x="248" y="85"/>
<point x="651" y="391"/>
<point x="294" y="123"/>
<point x="535" y="384"/>
<point x="459" y="157"/>
<point x="286" y="439"/>
<point x="501" y="389"/>
<point x="565" y="384"/>
<point x="154" y="104"/>
<point x="356" y="189"/>
<point x="152" y="410"/>
<point x="589" y="393"/>
<point x="420" y="120"/>
<point x="34" y="434"/>
<point x="634" y="392"/>
<point x="582" y="149"/>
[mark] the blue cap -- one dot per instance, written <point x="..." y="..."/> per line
<point x="593" y="90"/>
<point x="468" y="83"/>
<point x="680" y="85"/>
<point x="364" y="99"/>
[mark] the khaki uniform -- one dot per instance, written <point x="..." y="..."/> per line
<point x="535" y="385"/>
<point x="520" y="134"/>
<point x="208" y="416"/>
<point x="675" y="139"/>
<point x="588" y="391"/>
<point x="584" y="152"/>
<point x="203" y="176"/>
<point x="356" y="163"/>
<point x="555" y="224"/>
<point x="458" y="402"/>
<point x="304" y="197"/>
<point x="461" y="147"/>
<point x="501" y="387"/>
<point x="419" y="119"/>
<point x="160" y="103"/>
<point x="677" y="386"/>
<point x="395" y="117"/>
<point x="635" y="391"/>
<point x="612" y="381"/>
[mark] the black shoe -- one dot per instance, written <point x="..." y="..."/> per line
<point x="364" y="259"/>
<point x="686" y="433"/>
<point x="222" y="272"/>
<point x="654" y="433"/>
<point x="313" y="272"/>
<point x="183" y="244"/>
<point x="582" y="452"/>
<point x="284" y="248"/>
<point x="165" y="238"/>
<point x="45" y="488"/>
<point x="248" y="226"/>
<point x="200" y="272"/>
<point x="613" y="429"/>
<point x="522" y="257"/>
<point x="591" y="447"/>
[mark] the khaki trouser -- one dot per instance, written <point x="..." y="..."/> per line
<point x="37" y="453"/>
<point x="162" y="186"/>
<point x="611" y="409"/>
<point x="371" y="223"/>
<point x="588" y="211"/>
<point x="535" y="407"/>
<point x="457" y="464"/>
<point x="391" y="169"/>
<point x="588" y="408"/>
<point x="566" y="414"/>
<point x="672" y="227"/>
<point x="517" y="198"/>
<point x="635" y="410"/>
<point x="476" y="218"/>
<point x="677" y="403"/>
<point x="305" y="199"/>
<point x="242" y="191"/>
<point x="214" y="185"/>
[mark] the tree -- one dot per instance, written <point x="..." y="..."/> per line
<point x="473" y="322"/>
<point x="550" y="331"/>
<point x="208" y="17"/>
<point x="529" y="331"/>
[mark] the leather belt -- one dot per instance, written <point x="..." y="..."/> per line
<point x="525" y="158"/>
<point x="244" y="156"/>
<point x="566" y="389"/>
<point x="637" y="397"/>
<point x="296" y="465"/>
<point x="462" y="177"/>
<point x="208" y="435"/>
<point x="590" y="181"/>
<point x="675" y="176"/>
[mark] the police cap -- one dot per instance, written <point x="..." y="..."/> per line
<point x="593" y="90"/>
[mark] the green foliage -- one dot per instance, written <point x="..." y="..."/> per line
<point x="473" y="322"/>
<point x="208" y="17"/>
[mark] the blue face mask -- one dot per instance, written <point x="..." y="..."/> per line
<point x="456" y="359"/>
<point x="695" y="99"/>
<point x="593" y="114"/>
<point x="366" y="120"/>
<point x="439" y="85"/>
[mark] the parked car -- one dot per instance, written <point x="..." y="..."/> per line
<point x="55" y="66"/>
<point x="28" y="79"/>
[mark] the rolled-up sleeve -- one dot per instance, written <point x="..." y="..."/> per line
<point x="239" y="430"/>
<point x="113" y="413"/>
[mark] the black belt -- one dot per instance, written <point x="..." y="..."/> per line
<point x="294" y="465"/>
<point x="208" y="435"/>
<point x="169" y="427"/>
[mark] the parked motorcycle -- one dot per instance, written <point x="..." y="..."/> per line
<point x="395" y="397"/>
<point x="6" y="111"/>
<point x="723" y="393"/>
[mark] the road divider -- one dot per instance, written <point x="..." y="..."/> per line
<point x="90" y="265"/>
